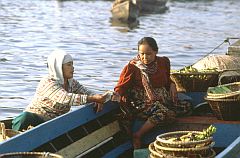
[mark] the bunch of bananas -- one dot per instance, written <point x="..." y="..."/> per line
<point x="188" y="69"/>
<point x="195" y="73"/>
<point x="206" y="133"/>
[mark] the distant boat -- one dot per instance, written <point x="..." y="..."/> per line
<point x="125" y="11"/>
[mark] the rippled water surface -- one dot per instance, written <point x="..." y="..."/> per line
<point x="30" y="30"/>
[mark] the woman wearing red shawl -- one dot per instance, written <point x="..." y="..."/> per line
<point x="146" y="89"/>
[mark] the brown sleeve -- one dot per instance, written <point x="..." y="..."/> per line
<point x="125" y="80"/>
<point x="168" y="67"/>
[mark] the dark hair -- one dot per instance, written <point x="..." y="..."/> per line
<point x="150" y="41"/>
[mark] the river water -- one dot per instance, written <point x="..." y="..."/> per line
<point x="30" y="30"/>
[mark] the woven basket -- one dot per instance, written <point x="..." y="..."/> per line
<point x="153" y="152"/>
<point x="234" y="94"/>
<point x="179" y="152"/>
<point x="30" y="155"/>
<point x="186" y="152"/>
<point x="225" y="109"/>
<point x="195" y="82"/>
<point x="163" y="140"/>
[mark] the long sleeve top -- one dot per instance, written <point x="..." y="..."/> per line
<point x="52" y="100"/>
<point x="130" y="77"/>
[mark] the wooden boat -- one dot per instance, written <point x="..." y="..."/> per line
<point x="80" y="133"/>
<point x="125" y="11"/>
<point x="84" y="133"/>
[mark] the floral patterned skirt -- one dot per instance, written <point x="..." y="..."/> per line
<point x="159" y="113"/>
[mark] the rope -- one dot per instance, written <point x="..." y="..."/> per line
<point x="225" y="41"/>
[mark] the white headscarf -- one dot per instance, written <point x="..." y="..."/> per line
<point x="55" y="61"/>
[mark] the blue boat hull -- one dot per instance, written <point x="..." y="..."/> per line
<point x="101" y="135"/>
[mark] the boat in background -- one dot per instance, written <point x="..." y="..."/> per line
<point x="129" y="10"/>
<point x="125" y="11"/>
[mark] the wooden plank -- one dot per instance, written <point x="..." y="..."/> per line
<point x="234" y="49"/>
<point x="90" y="140"/>
<point x="49" y="130"/>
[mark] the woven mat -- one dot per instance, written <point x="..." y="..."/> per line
<point x="221" y="62"/>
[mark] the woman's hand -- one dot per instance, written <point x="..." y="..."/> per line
<point x="98" y="107"/>
<point x="173" y="93"/>
<point x="116" y="97"/>
<point x="99" y="100"/>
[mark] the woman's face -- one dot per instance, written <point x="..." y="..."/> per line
<point x="146" y="54"/>
<point x="68" y="70"/>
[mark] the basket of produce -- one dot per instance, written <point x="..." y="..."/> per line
<point x="225" y="91"/>
<point x="204" y="151"/>
<point x="156" y="154"/>
<point x="190" y="79"/>
<point x="30" y="155"/>
<point x="184" y="144"/>
<point x="224" y="101"/>
<point x="6" y="133"/>
<point x="183" y="139"/>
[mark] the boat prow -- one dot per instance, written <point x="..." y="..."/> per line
<point x="81" y="132"/>
<point x="125" y="11"/>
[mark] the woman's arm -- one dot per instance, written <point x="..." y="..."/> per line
<point x="53" y="91"/>
<point x="125" y="80"/>
<point x="172" y="85"/>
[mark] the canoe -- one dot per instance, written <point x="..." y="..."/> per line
<point x="125" y="11"/>
<point x="81" y="133"/>
<point x="84" y="133"/>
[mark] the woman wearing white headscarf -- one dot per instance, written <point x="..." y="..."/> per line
<point x="56" y="93"/>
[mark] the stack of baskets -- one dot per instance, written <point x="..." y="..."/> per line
<point x="162" y="147"/>
<point x="194" y="81"/>
<point x="224" y="101"/>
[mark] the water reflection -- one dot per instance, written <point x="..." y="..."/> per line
<point x="100" y="47"/>
<point x="124" y="26"/>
